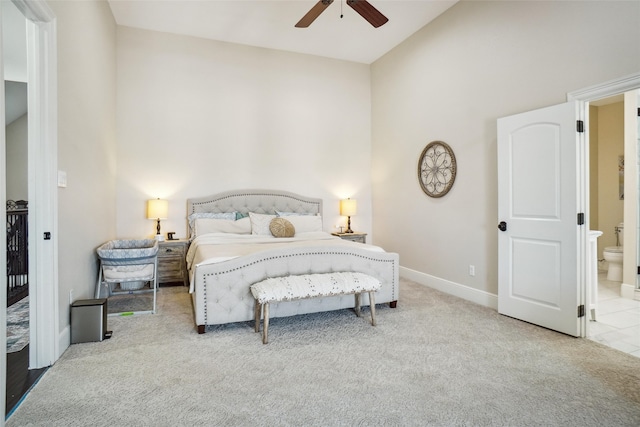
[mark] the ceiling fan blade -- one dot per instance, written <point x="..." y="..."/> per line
<point x="368" y="12"/>
<point x="313" y="13"/>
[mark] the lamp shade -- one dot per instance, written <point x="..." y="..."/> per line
<point x="348" y="207"/>
<point x="157" y="209"/>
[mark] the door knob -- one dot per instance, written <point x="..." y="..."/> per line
<point x="502" y="226"/>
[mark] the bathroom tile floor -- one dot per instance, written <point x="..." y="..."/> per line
<point x="617" y="322"/>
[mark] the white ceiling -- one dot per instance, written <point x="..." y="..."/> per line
<point x="270" y="23"/>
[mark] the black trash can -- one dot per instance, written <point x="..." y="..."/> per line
<point x="89" y="320"/>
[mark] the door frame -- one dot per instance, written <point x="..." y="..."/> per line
<point x="44" y="348"/>
<point x="42" y="177"/>
<point x="584" y="96"/>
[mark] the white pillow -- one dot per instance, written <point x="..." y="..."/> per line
<point x="306" y="223"/>
<point x="214" y="225"/>
<point x="260" y="224"/>
<point x="217" y="215"/>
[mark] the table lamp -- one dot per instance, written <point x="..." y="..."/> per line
<point x="157" y="209"/>
<point x="348" y="208"/>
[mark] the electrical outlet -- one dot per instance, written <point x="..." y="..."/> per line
<point x="472" y="270"/>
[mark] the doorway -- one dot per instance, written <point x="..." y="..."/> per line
<point x="42" y="170"/>
<point x="556" y="128"/>
<point x="19" y="377"/>
<point x="616" y="324"/>
<point x="627" y="87"/>
<point x="16" y="190"/>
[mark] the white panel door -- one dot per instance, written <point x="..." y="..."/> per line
<point x="538" y="250"/>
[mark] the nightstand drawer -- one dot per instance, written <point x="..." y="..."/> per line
<point x="173" y="251"/>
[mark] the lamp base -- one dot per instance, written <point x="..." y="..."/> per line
<point x="348" y="230"/>
<point x="159" y="237"/>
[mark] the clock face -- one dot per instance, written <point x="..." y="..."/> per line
<point x="437" y="169"/>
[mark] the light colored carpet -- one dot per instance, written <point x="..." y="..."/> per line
<point x="125" y="303"/>
<point x="434" y="360"/>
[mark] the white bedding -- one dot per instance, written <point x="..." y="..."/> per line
<point x="218" y="247"/>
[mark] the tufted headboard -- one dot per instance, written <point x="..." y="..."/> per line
<point x="258" y="201"/>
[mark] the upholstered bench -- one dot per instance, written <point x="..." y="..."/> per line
<point x="291" y="288"/>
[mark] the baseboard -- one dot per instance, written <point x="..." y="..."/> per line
<point x="461" y="291"/>
<point x="627" y="291"/>
<point x="64" y="340"/>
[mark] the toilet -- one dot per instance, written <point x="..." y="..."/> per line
<point x="613" y="255"/>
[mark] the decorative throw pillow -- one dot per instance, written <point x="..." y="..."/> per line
<point x="280" y="227"/>
<point x="260" y="224"/>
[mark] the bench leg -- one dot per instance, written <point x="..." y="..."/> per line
<point x="372" y="303"/>
<point x="357" y="307"/>
<point x="257" y="308"/>
<point x="265" y="329"/>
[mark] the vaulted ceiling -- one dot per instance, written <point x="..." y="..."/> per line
<point x="270" y="23"/>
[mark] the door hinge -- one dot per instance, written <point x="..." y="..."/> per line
<point x="638" y="111"/>
<point x="580" y="126"/>
<point x="639" y="269"/>
<point x="581" y="218"/>
<point x="581" y="310"/>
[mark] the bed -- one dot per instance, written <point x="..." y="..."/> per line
<point x="232" y="248"/>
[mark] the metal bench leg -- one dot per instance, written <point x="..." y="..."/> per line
<point x="265" y="329"/>
<point x="372" y="303"/>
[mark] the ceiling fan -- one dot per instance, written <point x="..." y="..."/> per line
<point x="363" y="7"/>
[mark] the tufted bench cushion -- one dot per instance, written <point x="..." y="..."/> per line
<point x="304" y="286"/>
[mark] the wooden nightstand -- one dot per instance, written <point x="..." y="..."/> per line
<point x="354" y="237"/>
<point x="172" y="266"/>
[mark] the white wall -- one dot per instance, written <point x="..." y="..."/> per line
<point x="86" y="142"/>
<point x="16" y="151"/>
<point x="451" y="81"/>
<point x="196" y="117"/>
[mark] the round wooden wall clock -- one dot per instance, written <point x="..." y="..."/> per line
<point x="436" y="169"/>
